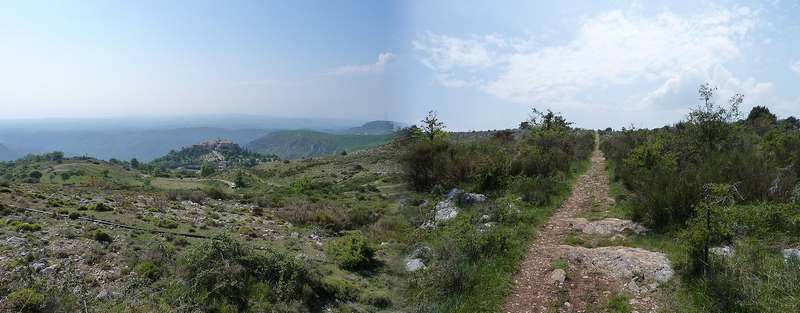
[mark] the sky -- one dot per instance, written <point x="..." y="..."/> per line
<point x="478" y="64"/>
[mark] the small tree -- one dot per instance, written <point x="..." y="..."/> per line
<point x="134" y="163"/>
<point x="545" y="120"/>
<point x="432" y="128"/>
<point x="712" y="121"/>
<point x="710" y="225"/>
<point x="239" y="181"/>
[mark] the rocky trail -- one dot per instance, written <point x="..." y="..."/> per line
<point x="554" y="277"/>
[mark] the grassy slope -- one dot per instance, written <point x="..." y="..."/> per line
<point x="296" y="144"/>
<point x="365" y="178"/>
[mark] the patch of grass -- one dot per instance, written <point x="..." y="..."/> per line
<point x="25" y="300"/>
<point x="620" y="303"/>
<point x="560" y="264"/>
<point x="25" y="227"/>
<point x="574" y="239"/>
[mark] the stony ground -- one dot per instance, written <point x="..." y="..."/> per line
<point x="555" y="277"/>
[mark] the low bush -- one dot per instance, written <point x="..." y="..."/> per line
<point x="351" y="251"/>
<point x="101" y="207"/>
<point x="102" y="237"/>
<point x="25" y="300"/>
<point x="216" y="193"/>
<point x="25" y="227"/>
<point x="167" y="223"/>
<point x="148" y="270"/>
<point x="224" y="272"/>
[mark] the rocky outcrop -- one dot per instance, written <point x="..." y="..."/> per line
<point x="445" y="211"/>
<point x="15" y="242"/>
<point x="723" y="251"/>
<point x="413" y="265"/>
<point x="644" y="269"/>
<point x="442" y="212"/>
<point x="791" y="253"/>
<point x="473" y="198"/>
<point x="606" y="227"/>
<point x="453" y="194"/>
<point x="416" y="260"/>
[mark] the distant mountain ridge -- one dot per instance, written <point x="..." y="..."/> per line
<point x="375" y="128"/>
<point x="298" y="144"/>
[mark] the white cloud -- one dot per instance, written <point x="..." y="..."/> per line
<point x="615" y="48"/>
<point x="681" y="89"/>
<point x="442" y="52"/>
<point x="795" y="66"/>
<point x="377" y="67"/>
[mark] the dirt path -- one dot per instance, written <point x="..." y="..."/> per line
<point x="584" y="289"/>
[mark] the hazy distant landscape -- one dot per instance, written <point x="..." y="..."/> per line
<point x="147" y="140"/>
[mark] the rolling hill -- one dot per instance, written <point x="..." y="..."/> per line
<point x="298" y="144"/>
<point x="222" y="153"/>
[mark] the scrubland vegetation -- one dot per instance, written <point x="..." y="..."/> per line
<point x="722" y="192"/>
<point x="433" y="221"/>
<point x="524" y="173"/>
<point x="331" y="233"/>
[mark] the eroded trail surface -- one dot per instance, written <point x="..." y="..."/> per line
<point x="555" y="277"/>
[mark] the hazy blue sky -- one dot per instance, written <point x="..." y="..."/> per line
<point x="479" y="64"/>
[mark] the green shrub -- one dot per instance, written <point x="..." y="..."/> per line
<point x="25" y="300"/>
<point x="26" y="227"/>
<point x="101" y="207"/>
<point x="216" y="193"/>
<point x="148" y="270"/>
<point x="102" y="237"/>
<point x="167" y="223"/>
<point x="340" y="288"/>
<point x="224" y="272"/>
<point x="536" y="190"/>
<point x="351" y="251"/>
